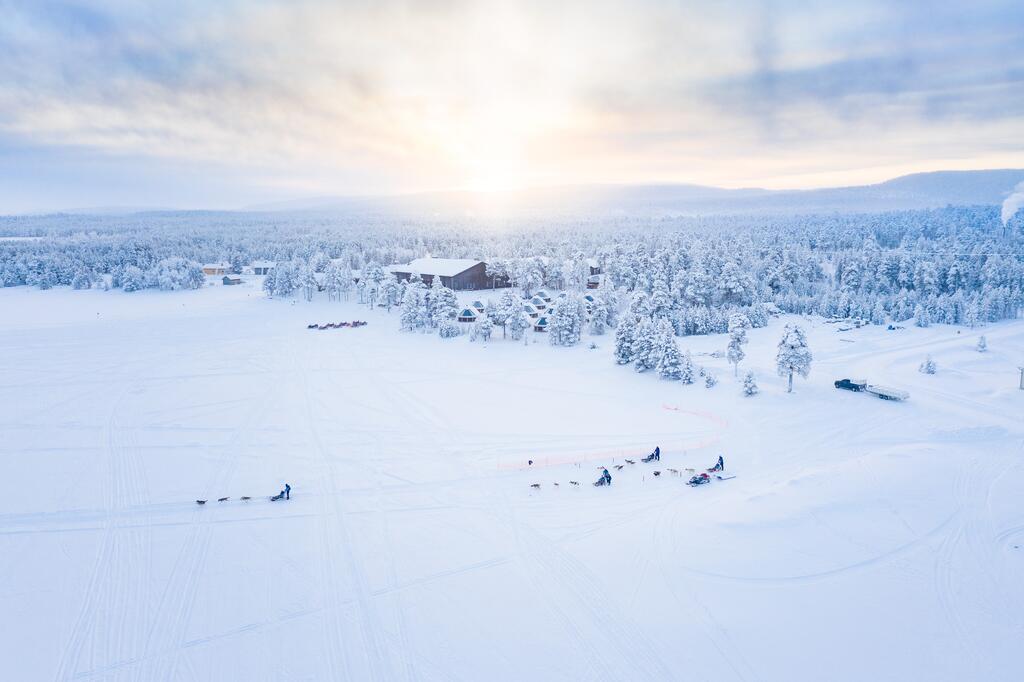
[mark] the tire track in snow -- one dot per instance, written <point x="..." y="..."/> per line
<point x="167" y="635"/>
<point x="334" y="531"/>
<point x="120" y="569"/>
<point x="731" y="654"/>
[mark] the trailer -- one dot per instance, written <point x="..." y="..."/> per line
<point x="887" y="393"/>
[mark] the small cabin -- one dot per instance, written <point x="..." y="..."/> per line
<point x="261" y="267"/>
<point x="530" y="310"/>
<point x="231" y="281"/>
<point x="539" y="303"/>
<point x="541" y="325"/>
<point x="215" y="268"/>
<point x="594" y="281"/>
<point x="588" y="298"/>
<point x="467" y="315"/>
<point x="477" y="306"/>
<point x="543" y="295"/>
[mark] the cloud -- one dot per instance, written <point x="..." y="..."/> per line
<point x="393" y="96"/>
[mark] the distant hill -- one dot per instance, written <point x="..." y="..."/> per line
<point x="920" y="190"/>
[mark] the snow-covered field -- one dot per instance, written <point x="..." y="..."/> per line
<point x="861" y="539"/>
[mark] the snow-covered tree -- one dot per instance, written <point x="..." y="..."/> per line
<point x="794" y="357"/>
<point x="982" y="346"/>
<point x="709" y="379"/>
<point x="738" y="325"/>
<point x="413" y="315"/>
<point x="625" y="336"/>
<point x="670" y="365"/>
<point x="443" y="302"/>
<point x="448" y="329"/>
<point x="566" y="323"/>
<point x="307" y="280"/>
<point x="645" y="346"/>
<point x="749" y="384"/>
<point x="390" y="292"/>
<point x="598" y="316"/>
<point x="483" y="328"/>
<point x="502" y="312"/>
<point x="928" y="366"/>
<point x="83" y="279"/>
<point x="687" y="370"/>
<point x="132" y="279"/>
<point x="333" y="282"/>
<point x="922" y="318"/>
<point x="517" y="325"/>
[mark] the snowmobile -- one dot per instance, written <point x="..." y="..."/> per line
<point x="699" y="479"/>
<point x="279" y="496"/>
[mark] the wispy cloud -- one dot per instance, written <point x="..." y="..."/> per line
<point x="391" y="96"/>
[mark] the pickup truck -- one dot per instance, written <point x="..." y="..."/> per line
<point x="852" y="385"/>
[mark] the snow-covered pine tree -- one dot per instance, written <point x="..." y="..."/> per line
<point x="566" y="323"/>
<point x="982" y="345"/>
<point x="501" y="313"/>
<point x="645" y="346"/>
<point x="333" y="281"/>
<point x="687" y="371"/>
<point x="390" y="292"/>
<point x="738" y="325"/>
<point x="625" y="336"/>
<point x="921" y="316"/>
<point x="598" y="316"/>
<point x="749" y="384"/>
<point x="709" y="378"/>
<point x="83" y="279"/>
<point x="443" y="302"/>
<point x="307" y="280"/>
<point x="484" y="327"/>
<point x="660" y="301"/>
<point x="794" y="357"/>
<point x="132" y="278"/>
<point x="447" y="329"/>
<point x="928" y="366"/>
<point x="411" y="316"/>
<point x="517" y="325"/>
<point x="639" y="306"/>
<point x="670" y="366"/>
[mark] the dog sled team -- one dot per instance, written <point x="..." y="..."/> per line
<point x="285" y="494"/>
<point x="337" y="325"/>
<point x="655" y="456"/>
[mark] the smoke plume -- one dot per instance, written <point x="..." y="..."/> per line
<point x="1013" y="203"/>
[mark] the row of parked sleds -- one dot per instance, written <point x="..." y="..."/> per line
<point x="337" y="325"/>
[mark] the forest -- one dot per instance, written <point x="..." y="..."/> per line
<point x="951" y="265"/>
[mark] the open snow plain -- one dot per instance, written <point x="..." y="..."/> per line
<point x="861" y="539"/>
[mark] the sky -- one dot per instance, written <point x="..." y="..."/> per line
<point x="225" y="103"/>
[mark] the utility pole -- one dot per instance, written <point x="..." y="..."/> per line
<point x="1021" y="378"/>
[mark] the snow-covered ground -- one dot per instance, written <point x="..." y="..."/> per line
<point x="861" y="539"/>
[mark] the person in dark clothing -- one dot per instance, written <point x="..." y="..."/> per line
<point x="287" y="492"/>
<point x="607" y="477"/>
<point x="657" y="453"/>
<point x="721" y="463"/>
